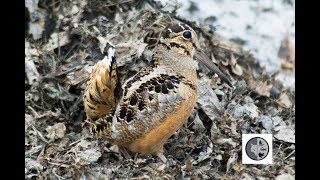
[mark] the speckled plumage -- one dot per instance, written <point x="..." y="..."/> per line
<point x="155" y="102"/>
<point x="99" y="93"/>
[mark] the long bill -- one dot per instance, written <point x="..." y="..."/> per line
<point x="201" y="56"/>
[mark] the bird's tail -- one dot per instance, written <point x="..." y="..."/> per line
<point x="99" y="94"/>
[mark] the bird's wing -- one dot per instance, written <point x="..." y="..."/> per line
<point x="143" y="108"/>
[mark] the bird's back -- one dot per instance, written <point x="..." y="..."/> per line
<point x="154" y="103"/>
<point x="155" y="97"/>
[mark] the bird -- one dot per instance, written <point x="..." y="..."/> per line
<point x="149" y="107"/>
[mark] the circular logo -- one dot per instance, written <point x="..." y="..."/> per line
<point x="257" y="148"/>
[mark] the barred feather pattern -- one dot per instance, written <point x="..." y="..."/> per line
<point x="137" y="113"/>
<point x="99" y="94"/>
<point x="153" y="104"/>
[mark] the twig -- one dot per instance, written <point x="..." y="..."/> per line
<point x="55" y="174"/>
<point x="74" y="142"/>
<point x="289" y="155"/>
<point x="59" y="164"/>
<point x="39" y="133"/>
<point x="33" y="103"/>
<point x="279" y="149"/>
<point x="34" y="112"/>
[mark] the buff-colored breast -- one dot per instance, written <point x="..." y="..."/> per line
<point x="152" y="142"/>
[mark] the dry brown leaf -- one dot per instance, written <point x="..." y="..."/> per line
<point x="236" y="69"/>
<point x="161" y="168"/>
<point x="286" y="54"/>
<point x="263" y="88"/>
<point x="287" y="65"/>
<point x="284" y="101"/>
<point x="188" y="165"/>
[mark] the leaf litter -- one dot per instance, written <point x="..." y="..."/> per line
<point x="59" y="55"/>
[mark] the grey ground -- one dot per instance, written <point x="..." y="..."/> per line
<point x="64" y="39"/>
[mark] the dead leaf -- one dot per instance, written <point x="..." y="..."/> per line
<point x="198" y="123"/>
<point x="31" y="71"/>
<point x="286" y="54"/>
<point x="58" y="92"/>
<point x="235" y="67"/>
<point x="246" y="176"/>
<point x="57" y="40"/>
<point x="285" y="177"/>
<point x="233" y="158"/>
<point x="103" y="41"/>
<point x="285" y="134"/>
<point x="188" y="165"/>
<point x="140" y="161"/>
<point x="284" y="101"/>
<point x="56" y="131"/>
<point x="88" y="156"/>
<point x="161" y="168"/>
<point x="207" y="99"/>
<point x="83" y="144"/>
<point x="29" y="120"/>
<point x="78" y="76"/>
<point x="204" y="155"/>
<point x="37" y="18"/>
<point x="263" y="89"/>
<point x="34" y="150"/>
<point x="215" y="132"/>
<point x="277" y="121"/>
<point x="114" y="148"/>
<point x="227" y="141"/>
<point x="126" y="51"/>
<point x="287" y="65"/>
<point x="266" y="122"/>
<point x="30" y="68"/>
<point x="249" y="108"/>
<point x="31" y="164"/>
<point x="30" y="51"/>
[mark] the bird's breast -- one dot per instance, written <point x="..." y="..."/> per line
<point x="150" y="142"/>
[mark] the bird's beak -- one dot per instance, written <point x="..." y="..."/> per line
<point x="201" y="56"/>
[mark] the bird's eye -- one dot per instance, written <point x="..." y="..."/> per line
<point x="187" y="35"/>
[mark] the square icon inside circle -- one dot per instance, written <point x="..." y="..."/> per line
<point x="256" y="148"/>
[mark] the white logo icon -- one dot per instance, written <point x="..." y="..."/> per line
<point x="257" y="148"/>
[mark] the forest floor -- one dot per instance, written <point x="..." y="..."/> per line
<point x="64" y="39"/>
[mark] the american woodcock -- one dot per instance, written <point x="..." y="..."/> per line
<point x="155" y="102"/>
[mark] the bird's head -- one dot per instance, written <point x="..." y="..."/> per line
<point x="181" y="38"/>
